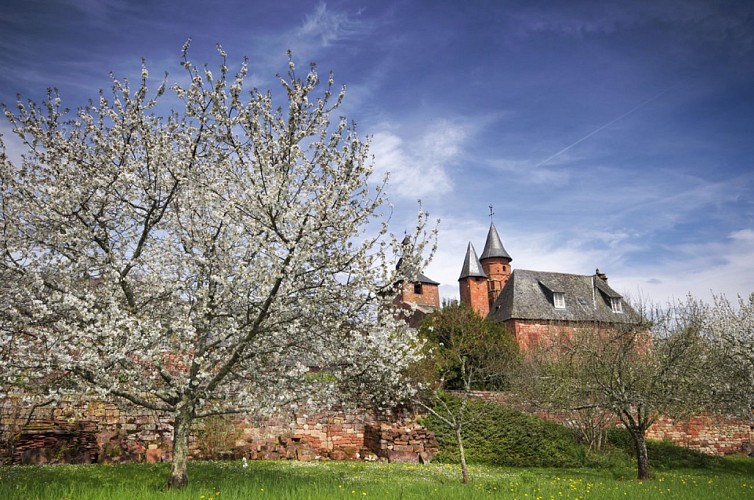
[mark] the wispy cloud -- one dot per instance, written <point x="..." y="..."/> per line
<point x="330" y="26"/>
<point x="100" y="10"/>
<point x="322" y="28"/>
<point x="574" y="19"/>
<point x="524" y="172"/>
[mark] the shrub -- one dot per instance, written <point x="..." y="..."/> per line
<point x="499" y="435"/>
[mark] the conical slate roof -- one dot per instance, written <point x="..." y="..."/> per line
<point x="471" y="265"/>
<point x="493" y="247"/>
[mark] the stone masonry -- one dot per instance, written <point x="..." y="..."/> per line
<point x="123" y="433"/>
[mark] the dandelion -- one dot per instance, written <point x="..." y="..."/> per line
<point x="245" y="462"/>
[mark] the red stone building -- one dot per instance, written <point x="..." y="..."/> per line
<point x="536" y="304"/>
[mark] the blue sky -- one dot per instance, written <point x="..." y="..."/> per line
<point x="617" y="135"/>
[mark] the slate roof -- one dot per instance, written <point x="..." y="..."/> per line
<point x="423" y="279"/>
<point x="529" y="295"/>
<point x="493" y="247"/>
<point x="404" y="272"/>
<point x="471" y="266"/>
<point x="420" y="278"/>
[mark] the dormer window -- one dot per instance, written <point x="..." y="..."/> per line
<point x="558" y="300"/>
<point x="616" y="305"/>
<point x="554" y="292"/>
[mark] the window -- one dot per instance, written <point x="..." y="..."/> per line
<point x="616" y="305"/>
<point x="558" y="299"/>
<point x="418" y="288"/>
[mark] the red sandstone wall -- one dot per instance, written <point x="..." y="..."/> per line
<point x="430" y="295"/>
<point x="711" y="435"/>
<point x="531" y="333"/>
<point x="498" y="272"/>
<point x="127" y="433"/>
<point x="474" y="293"/>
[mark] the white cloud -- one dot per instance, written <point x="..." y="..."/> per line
<point x="720" y="267"/>
<point x="419" y="166"/>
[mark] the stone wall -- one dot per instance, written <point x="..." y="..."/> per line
<point x="124" y="433"/>
<point x="55" y="442"/>
<point x="429" y="295"/>
<point x="408" y="442"/>
<point x="532" y="333"/>
<point x="712" y="435"/>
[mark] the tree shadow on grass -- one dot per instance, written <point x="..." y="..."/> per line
<point x="664" y="455"/>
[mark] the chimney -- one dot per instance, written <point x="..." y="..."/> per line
<point x="600" y="275"/>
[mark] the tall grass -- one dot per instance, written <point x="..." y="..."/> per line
<point x="725" y="478"/>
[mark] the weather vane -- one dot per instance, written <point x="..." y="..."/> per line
<point x="491" y="212"/>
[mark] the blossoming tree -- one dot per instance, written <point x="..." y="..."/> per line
<point x="677" y="361"/>
<point x="202" y="261"/>
<point x="730" y="326"/>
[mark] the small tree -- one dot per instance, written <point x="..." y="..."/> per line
<point x="200" y="262"/>
<point x="463" y="353"/>
<point x="633" y="372"/>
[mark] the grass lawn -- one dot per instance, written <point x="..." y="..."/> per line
<point x="728" y="478"/>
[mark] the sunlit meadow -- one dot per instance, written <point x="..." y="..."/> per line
<point x="729" y="478"/>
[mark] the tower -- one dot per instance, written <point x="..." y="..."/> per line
<point x="472" y="283"/>
<point x="413" y="290"/>
<point x="496" y="263"/>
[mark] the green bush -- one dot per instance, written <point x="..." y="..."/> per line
<point x="499" y="435"/>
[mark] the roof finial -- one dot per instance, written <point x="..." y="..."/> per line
<point x="492" y="212"/>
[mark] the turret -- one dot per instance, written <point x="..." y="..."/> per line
<point x="496" y="263"/>
<point x="472" y="283"/>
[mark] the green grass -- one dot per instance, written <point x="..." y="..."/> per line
<point x="728" y="478"/>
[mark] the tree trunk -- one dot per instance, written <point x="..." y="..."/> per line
<point x="464" y="468"/>
<point x="642" y="459"/>
<point x="181" y="428"/>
